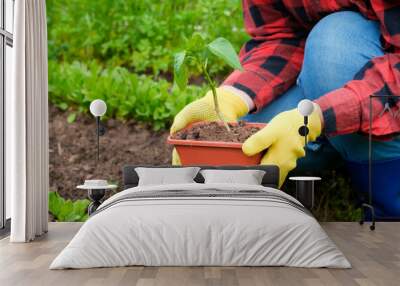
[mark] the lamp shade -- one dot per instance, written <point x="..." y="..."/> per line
<point x="98" y="107"/>
<point x="305" y="107"/>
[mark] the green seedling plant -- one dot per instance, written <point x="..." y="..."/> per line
<point x="196" y="56"/>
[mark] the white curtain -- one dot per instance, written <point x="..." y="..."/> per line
<point x="27" y="124"/>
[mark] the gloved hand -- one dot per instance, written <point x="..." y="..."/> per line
<point x="281" y="137"/>
<point x="176" y="161"/>
<point x="231" y="106"/>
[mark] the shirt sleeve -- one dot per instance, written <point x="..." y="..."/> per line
<point x="273" y="57"/>
<point x="347" y="109"/>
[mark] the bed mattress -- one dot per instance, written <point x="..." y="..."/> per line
<point x="201" y="225"/>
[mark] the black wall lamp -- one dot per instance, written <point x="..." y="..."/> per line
<point x="98" y="108"/>
<point x="305" y="108"/>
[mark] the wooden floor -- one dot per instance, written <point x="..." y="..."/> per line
<point x="375" y="257"/>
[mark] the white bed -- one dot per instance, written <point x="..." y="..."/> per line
<point x="222" y="225"/>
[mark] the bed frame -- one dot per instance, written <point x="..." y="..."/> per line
<point x="270" y="179"/>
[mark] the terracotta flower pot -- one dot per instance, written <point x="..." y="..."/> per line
<point x="193" y="152"/>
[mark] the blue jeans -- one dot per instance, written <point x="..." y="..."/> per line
<point x="337" y="47"/>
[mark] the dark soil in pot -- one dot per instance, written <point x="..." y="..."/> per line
<point x="216" y="131"/>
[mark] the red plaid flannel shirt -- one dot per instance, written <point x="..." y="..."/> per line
<point x="272" y="60"/>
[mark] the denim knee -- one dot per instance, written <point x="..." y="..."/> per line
<point x="337" y="47"/>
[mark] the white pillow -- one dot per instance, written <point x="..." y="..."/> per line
<point x="248" y="177"/>
<point x="166" y="176"/>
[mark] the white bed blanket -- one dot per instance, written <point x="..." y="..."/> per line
<point x="231" y="230"/>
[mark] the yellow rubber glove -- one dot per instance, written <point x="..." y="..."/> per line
<point x="281" y="137"/>
<point x="176" y="161"/>
<point x="231" y="106"/>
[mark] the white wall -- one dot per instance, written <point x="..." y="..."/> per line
<point x="8" y="85"/>
<point x="9" y="26"/>
<point x="9" y="9"/>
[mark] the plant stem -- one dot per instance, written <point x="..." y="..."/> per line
<point x="215" y="97"/>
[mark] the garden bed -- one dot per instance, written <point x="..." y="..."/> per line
<point x="73" y="150"/>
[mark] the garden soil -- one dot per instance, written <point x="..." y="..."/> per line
<point x="215" y="131"/>
<point x="73" y="151"/>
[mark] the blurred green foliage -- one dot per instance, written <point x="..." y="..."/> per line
<point x="67" y="210"/>
<point x="122" y="52"/>
<point x="141" y="35"/>
<point x="128" y="95"/>
<point x="336" y="200"/>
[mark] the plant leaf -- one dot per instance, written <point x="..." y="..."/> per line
<point x="180" y="70"/>
<point x="196" y="43"/>
<point x="71" y="118"/>
<point x="67" y="210"/>
<point x="55" y="203"/>
<point x="224" y="50"/>
<point x="80" y="207"/>
<point x="63" y="106"/>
